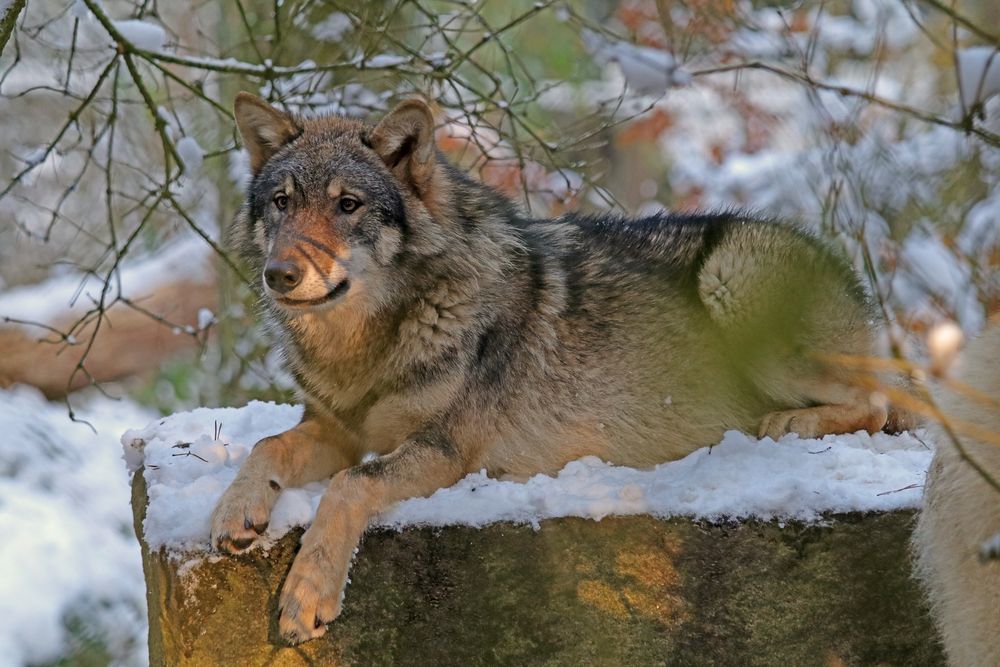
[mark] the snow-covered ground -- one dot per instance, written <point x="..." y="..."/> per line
<point x="69" y="556"/>
<point x="191" y="457"/>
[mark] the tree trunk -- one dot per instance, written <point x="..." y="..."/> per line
<point x="129" y="342"/>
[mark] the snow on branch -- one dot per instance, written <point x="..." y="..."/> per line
<point x="978" y="75"/>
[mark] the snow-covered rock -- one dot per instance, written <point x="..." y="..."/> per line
<point x="190" y="459"/>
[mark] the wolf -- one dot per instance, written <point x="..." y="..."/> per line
<point x="961" y="512"/>
<point x="429" y="321"/>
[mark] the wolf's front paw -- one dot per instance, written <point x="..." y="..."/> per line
<point x="242" y="514"/>
<point x="311" y="595"/>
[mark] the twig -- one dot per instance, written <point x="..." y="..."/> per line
<point x="903" y="488"/>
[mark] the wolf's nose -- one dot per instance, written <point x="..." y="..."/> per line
<point x="282" y="277"/>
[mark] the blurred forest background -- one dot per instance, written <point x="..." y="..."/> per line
<point x="872" y="121"/>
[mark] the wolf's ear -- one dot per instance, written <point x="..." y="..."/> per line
<point x="264" y="129"/>
<point x="404" y="139"/>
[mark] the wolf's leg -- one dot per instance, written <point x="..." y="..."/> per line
<point x="785" y="307"/>
<point x="312" y="593"/>
<point x="852" y="413"/>
<point x="313" y="450"/>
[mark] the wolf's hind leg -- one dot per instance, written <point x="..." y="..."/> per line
<point x="824" y="419"/>
<point x="311" y="451"/>
<point x="786" y="306"/>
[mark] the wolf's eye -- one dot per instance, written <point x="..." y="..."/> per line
<point x="349" y="204"/>
<point x="281" y="201"/>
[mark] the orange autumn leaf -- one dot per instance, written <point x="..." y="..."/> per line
<point x="504" y="175"/>
<point x="645" y="128"/>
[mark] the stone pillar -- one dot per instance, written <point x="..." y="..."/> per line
<point x="622" y="591"/>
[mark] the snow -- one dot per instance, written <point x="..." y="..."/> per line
<point x="646" y="70"/>
<point x="187" y="468"/>
<point x="239" y="168"/>
<point x="36" y="156"/>
<point x="79" y="10"/>
<point x="143" y="34"/>
<point x="333" y="27"/>
<point x="978" y="74"/>
<point x="873" y="22"/>
<point x="206" y="318"/>
<point x="76" y="293"/>
<point x="990" y="549"/>
<point x="190" y="458"/>
<point x="68" y="547"/>
<point x="931" y="268"/>
<point x="192" y="154"/>
<point x="384" y="60"/>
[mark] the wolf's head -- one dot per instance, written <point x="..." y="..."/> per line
<point x="334" y="203"/>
